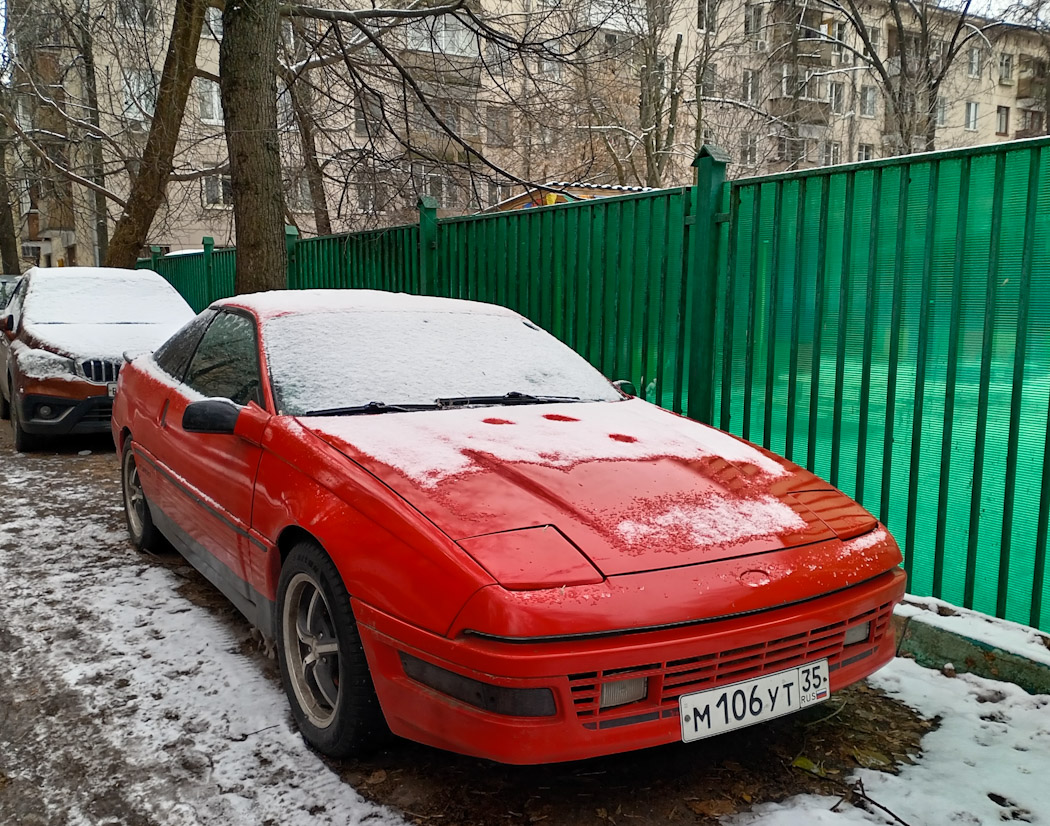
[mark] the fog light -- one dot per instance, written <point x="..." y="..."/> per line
<point x="621" y="692"/>
<point x="858" y="633"/>
<point x="514" y="702"/>
<point x="45" y="411"/>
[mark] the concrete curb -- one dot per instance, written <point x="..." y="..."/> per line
<point x="934" y="647"/>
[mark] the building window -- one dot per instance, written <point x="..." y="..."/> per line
<point x="941" y="109"/>
<point x="865" y="152"/>
<point x="836" y="96"/>
<point x="299" y="196"/>
<point x="136" y="14"/>
<point x="500" y="126"/>
<point x="1006" y="69"/>
<point x="707" y="82"/>
<point x="209" y="102"/>
<point x="212" y="23"/>
<point x="749" y="150"/>
<point x="140" y="94"/>
<point x="1031" y="120"/>
<point x="218" y="191"/>
<point x="709" y="137"/>
<point x="444" y="34"/>
<point x="830" y="153"/>
<point x="973" y="62"/>
<point x="750" y="85"/>
<point x="867" y="101"/>
<point x="753" y="21"/>
<point x="875" y="36"/>
<point x="1002" y="120"/>
<point x="791" y="149"/>
<point x="368" y="113"/>
<point x="838" y="47"/>
<point x="707" y="12"/>
<point x="971" y="116"/>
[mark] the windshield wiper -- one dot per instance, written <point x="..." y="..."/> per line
<point x="370" y="408"/>
<point x="514" y="397"/>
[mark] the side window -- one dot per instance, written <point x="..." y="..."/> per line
<point x="174" y="355"/>
<point x="226" y="363"/>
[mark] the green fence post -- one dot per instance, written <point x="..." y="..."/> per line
<point x="710" y="167"/>
<point x="428" y="242"/>
<point x="291" y="243"/>
<point x="154" y="257"/>
<point x="209" y="246"/>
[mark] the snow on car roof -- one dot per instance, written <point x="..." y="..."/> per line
<point x="285" y="302"/>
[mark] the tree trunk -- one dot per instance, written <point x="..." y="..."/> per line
<point x="9" y="252"/>
<point x="148" y="187"/>
<point x="300" y="96"/>
<point x="248" y="70"/>
<point x="97" y="161"/>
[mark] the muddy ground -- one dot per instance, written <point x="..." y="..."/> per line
<point x="57" y="767"/>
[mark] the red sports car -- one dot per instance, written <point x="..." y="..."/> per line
<point x="454" y="527"/>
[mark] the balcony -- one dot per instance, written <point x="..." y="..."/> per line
<point x="800" y="110"/>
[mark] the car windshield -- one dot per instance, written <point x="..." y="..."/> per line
<point x="329" y="361"/>
<point x="102" y="298"/>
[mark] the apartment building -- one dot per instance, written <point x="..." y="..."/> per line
<point x="608" y="92"/>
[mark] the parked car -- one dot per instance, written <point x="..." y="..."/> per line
<point x="453" y="526"/>
<point x="65" y="330"/>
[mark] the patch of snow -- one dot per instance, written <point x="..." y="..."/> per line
<point x="150" y="367"/>
<point x="999" y="633"/>
<point x="719" y="519"/>
<point x="328" y="359"/>
<point x="867" y="540"/>
<point x="428" y="447"/>
<point x="102" y="295"/>
<point x="41" y="364"/>
<point x="180" y="253"/>
<point x="282" y="302"/>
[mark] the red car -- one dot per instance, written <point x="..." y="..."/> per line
<point x="454" y="527"/>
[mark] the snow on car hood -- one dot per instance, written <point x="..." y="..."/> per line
<point x="110" y="341"/>
<point x="634" y="487"/>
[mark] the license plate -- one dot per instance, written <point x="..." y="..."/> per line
<point x="112" y="389"/>
<point x="717" y="710"/>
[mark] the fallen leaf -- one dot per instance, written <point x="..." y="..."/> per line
<point x="808" y="765"/>
<point x="870" y="758"/>
<point x="376" y="777"/>
<point x="712" y="808"/>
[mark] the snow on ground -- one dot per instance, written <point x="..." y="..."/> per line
<point x="126" y="703"/>
<point x="189" y="731"/>
<point x="987" y="762"/>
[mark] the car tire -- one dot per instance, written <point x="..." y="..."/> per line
<point x="5" y="407"/>
<point x="323" y="666"/>
<point x="143" y="533"/>
<point x="24" y="442"/>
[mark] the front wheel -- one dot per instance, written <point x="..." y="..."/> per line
<point x="323" y="666"/>
<point x="24" y="442"/>
<point x="5" y="405"/>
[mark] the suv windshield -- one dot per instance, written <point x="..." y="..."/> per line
<point x="325" y="361"/>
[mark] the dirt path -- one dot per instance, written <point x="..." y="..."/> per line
<point x="131" y="693"/>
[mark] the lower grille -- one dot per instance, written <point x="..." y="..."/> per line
<point x="100" y="370"/>
<point x="100" y="411"/>
<point x="670" y="680"/>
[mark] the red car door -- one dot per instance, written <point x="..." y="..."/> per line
<point x="210" y="478"/>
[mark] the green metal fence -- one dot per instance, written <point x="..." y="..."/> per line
<point x="885" y="324"/>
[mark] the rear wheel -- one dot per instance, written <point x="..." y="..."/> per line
<point x="24" y="442"/>
<point x="323" y="666"/>
<point x="144" y="534"/>
<point x="5" y="405"/>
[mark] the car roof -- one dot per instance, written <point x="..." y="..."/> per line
<point x="296" y="302"/>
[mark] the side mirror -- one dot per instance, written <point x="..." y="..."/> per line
<point x="7" y="324"/>
<point x="211" y="416"/>
<point x="626" y="387"/>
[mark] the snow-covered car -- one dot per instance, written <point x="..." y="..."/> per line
<point x="65" y="332"/>
<point x="454" y="526"/>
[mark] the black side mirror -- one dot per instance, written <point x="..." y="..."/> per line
<point x="626" y="387"/>
<point x="7" y="324"/>
<point x="211" y="416"/>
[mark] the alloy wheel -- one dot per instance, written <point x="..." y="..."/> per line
<point x="312" y="650"/>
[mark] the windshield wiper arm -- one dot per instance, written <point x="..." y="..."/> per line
<point x="370" y="408"/>
<point x="514" y="397"/>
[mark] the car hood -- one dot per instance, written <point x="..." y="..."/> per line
<point x="107" y="341"/>
<point x="634" y="487"/>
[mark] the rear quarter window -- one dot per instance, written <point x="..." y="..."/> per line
<point x="174" y="355"/>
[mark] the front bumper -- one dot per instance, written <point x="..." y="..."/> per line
<point x="674" y="661"/>
<point x="85" y="415"/>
